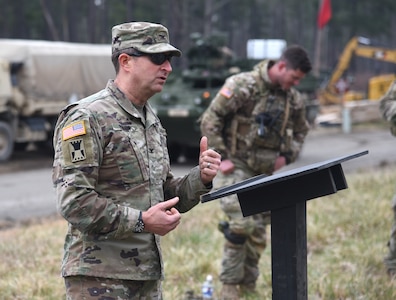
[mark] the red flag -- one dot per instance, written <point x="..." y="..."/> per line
<point x="324" y="15"/>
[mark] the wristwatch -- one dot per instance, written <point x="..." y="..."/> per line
<point x="139" y="226"/>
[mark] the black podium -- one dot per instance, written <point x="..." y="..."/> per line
<point x="285" y="194"/>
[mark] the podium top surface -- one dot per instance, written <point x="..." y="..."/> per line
<point x="262" y="180"/>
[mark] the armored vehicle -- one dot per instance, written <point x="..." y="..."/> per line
<point x="187" y="94"/>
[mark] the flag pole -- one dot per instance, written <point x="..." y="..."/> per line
<point x="318" y="49"/>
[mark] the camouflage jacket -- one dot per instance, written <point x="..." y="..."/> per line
<point x="109" y="164"/>
<point x="253" y="121"/>
<point x="388" y="107"/>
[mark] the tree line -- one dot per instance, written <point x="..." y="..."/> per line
<point x="295" y="21"/>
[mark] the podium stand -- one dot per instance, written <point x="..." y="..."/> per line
<point x="285" y="195"/>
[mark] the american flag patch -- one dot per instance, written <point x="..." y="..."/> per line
<point x="74" y="129"/>
<point x="226" y="92"/>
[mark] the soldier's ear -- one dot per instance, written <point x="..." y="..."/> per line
<point x="123" y="60"/>
<point x="282" y="65"/>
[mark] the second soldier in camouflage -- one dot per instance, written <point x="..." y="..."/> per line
<point x="257" y="122"/>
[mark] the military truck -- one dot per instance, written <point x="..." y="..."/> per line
<point x="187" y="93"/>
<point x="37" y="79"/>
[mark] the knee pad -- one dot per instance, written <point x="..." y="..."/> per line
<point x="233" y="238"/>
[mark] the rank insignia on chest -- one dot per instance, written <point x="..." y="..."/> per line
<point x="77" y="150"/>
<point x="226" y="92"/>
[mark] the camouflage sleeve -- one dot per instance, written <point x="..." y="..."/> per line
<point x="388" y="107"/>
<point x="188" y="188"/>
<point x="225" y="104"/>
<point x="299" y="131"/>
<point x="75" y="181"/>
<point x="212" y="123"/>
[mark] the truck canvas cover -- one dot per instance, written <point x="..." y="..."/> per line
<point x="57" y="71"/>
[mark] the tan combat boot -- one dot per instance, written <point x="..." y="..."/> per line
<point x="229" y="292"/>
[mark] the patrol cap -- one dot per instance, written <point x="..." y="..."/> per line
<point x="143" y="36"/>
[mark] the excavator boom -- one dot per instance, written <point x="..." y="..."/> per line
<point x="360" y="47"/>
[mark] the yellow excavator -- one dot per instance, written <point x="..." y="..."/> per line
<point x="335" y="89"/>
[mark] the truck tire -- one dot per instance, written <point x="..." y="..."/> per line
<point x="6" y="141"/>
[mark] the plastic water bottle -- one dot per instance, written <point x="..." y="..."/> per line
<point x="207" y="288"/>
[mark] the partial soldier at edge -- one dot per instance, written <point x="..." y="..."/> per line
<point x="388" y="111"/>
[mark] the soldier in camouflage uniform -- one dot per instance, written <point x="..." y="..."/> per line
<point x="257" y="123"/>
<point x="112" y="175"/>
<point x="388" y="110"/>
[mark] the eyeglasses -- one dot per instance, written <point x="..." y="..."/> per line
<point x="156" y="58"/>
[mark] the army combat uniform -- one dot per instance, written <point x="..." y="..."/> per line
<point x="388" y="110"/>
<point x="111" y="163"/>
<point x="251" y="122"/>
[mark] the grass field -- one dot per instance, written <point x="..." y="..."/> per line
<point x="347" y="236"/>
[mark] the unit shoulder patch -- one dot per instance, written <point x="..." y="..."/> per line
<point x="77" y="150"/>
<point x="73" y="130"/>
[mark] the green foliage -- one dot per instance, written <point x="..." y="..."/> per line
<point x="367" y="18"/>
<point x="294" y="21"/>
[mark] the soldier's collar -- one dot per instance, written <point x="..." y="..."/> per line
<point x="122" y="100"/>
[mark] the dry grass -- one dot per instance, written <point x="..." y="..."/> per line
<point x="347" y="235"/>
<point x="30" y="261"/>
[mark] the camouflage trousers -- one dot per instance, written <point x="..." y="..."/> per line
<point x="95" y="288"/>
<point x="240" y="261"/>
<point x="390" y="259"/>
